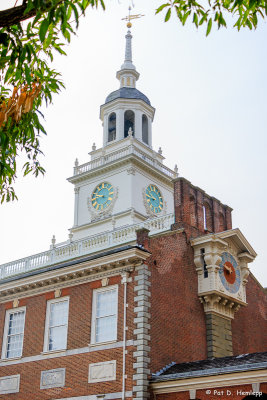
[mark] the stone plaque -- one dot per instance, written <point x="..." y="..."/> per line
<point x="52" y="378"/>
<point x="9" y="384"/>
<point x="104" y="371"/>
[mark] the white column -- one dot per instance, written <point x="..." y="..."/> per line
<point x="149" y="132"/>
<point x="138" y="125"/>
<point x="105" y="130"/>
<point x="120" y="124"/>
<point x="76" y="205"/>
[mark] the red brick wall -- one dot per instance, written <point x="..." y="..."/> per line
<point x="188" y="206"/>
<point x="76" y="383"/>
<point x="178" y="330"/>
<point x="249" y="327"/>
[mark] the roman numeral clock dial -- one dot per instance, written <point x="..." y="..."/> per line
<point x="102" y="196"/>
<point x="154" y="199"/>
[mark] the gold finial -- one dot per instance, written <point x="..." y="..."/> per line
<point x="130" y="17"/>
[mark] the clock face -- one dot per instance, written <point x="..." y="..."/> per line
<point x="154" y="199"/>
<point x="229" y="273"/>
<point x="102" y="196"/>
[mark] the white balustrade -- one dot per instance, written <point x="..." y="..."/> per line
<point x="91" y="244"/>
<point x="120" y="153"/>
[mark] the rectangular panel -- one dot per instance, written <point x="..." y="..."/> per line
<point x="9" y="384"/>
<point x="52" y="378"/>
<point x="101" y="372"/>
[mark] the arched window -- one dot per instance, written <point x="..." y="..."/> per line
<point x="128" y="122"/>
<point x="207" y="217"/>
<point x="144" y="129"/>
<point x="112" y="127"/>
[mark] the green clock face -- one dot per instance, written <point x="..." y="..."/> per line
<point x="102" y="196"/>
<point x="154" y="199"/>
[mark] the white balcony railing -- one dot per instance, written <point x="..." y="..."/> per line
<point x="85" y="246"/>
<point x="120" y="153"/>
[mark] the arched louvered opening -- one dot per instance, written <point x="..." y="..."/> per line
<point x="112" y="127"/>
<point x="144" y="129"/>
<point x="128" y="122"/>
<point x="207" y="217"/>
<point x="192" y="210"/>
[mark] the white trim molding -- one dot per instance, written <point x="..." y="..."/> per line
<point x="107" y="396"/>
<point x="207" y="382"/>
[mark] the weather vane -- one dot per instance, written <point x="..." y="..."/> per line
<point x="130" y="17"/>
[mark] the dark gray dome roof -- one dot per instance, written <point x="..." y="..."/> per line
<point x="127" y="93"/>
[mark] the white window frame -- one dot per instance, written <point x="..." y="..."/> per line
<point x="93" y="324"/>
<point x="48" y="310"/>
<point x="5" y="342"/>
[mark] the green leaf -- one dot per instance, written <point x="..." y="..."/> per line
<point x="209" y="26"/>
<point x="168" y="15"/>
<point x="195" y="19"/>
<point x="28" y="74"/>
<point x="186" y="16"/>
<point x="161" y="7"/>
<point x="43" y="29"/>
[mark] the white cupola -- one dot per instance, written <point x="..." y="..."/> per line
<point x="127" y="110"/>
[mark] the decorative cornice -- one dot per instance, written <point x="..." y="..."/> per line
<point x="108" y="218"/>
<point x="234" y="235"/>
<point x="123" y="102"/>
<point x="130" y="159"/>
<point x="220" y="304"/>
<point x="72" y="275"/>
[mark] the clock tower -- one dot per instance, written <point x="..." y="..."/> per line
<point x="125" y="182"/>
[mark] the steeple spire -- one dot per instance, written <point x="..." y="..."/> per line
<point x="128" y="74"/>
<point x="128" y="52"/>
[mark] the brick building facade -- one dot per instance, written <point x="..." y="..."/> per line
<point x="151" y="294"/>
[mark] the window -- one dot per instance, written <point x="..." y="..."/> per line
<point x="128" y="122"/>
<point x="144" y="129"/>
<point x="112" y="127"/>
<point x="56" y="328"/>
<point x="207" y="217"/>
<point x="13" y="333"/>
<point x="204" y="218"/>
<point x="104" y="316"/>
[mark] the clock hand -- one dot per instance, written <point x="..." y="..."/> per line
<point x="229" y="269"/>
<point x="151" y="197"/>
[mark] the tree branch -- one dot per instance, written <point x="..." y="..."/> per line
<point x="14" y="15"/>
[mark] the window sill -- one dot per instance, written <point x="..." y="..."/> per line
<point x="54" y="351"/>
<point x="11" y="358"/>
<point x="102" y="343"/>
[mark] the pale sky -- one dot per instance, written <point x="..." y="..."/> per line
<point x="211" y="107"/>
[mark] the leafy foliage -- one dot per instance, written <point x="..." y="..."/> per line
<point x="27" y="80"/>
<point x="245" y="11"/>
